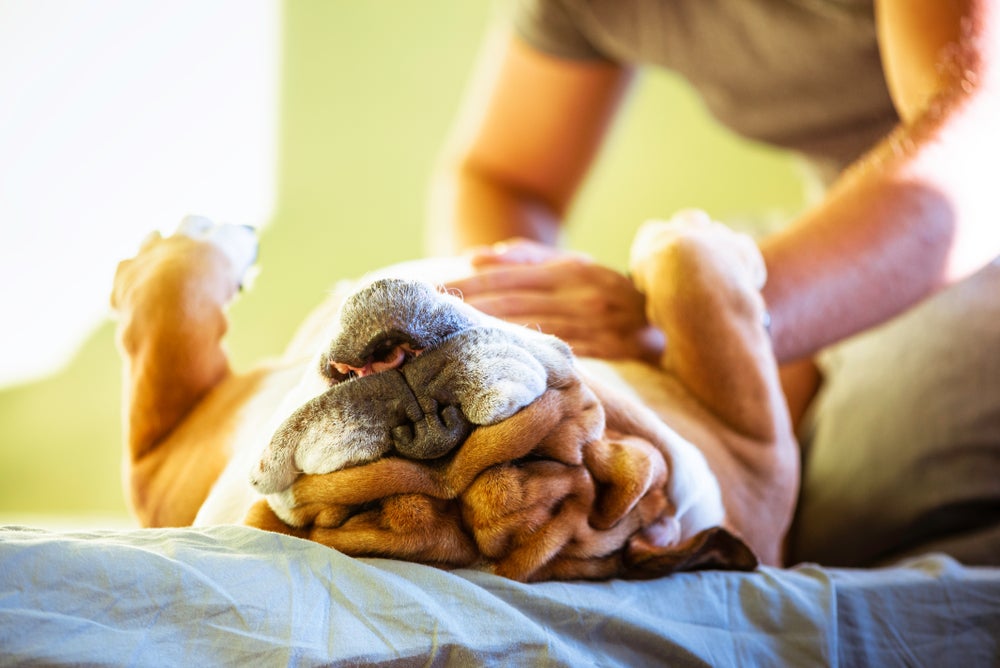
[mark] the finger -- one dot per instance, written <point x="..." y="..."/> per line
<point x="596" y="308"/>
<point x="572" y="329"/>
<point x="602" y="347"/>
<point x="545" y="277"/>
<point x="629" y="346"/>
<point x="517" y="250"/>
<point x="566" y="273"/>
<point x="645" y="344"/>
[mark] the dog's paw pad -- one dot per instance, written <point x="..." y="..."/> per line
<point x="238" y="242"/>
<point x="151" y="239"/>
<point x="700" y="234"/>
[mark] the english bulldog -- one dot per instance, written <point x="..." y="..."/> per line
<point x="403" y="423"/>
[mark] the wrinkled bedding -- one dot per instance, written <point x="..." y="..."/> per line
<point x="234" y="595"/>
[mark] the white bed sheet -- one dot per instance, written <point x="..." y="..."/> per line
<point x="238" y="596"/>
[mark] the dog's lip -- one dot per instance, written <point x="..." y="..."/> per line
<point x="355" y="367"/>
<point x="390" y="349"/>
<point x="393" y="357"/>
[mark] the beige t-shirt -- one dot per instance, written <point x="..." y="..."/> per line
<point x="800" y="74"/>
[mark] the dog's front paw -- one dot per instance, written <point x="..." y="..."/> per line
<point x="693" y="232"/>
<point x="237" y="242"/>
<point x="199" y="255"/>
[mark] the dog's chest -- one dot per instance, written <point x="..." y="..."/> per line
<point x="662" y="394"/>
<point x="232" y="495"/>
<point x="640" y="382"/>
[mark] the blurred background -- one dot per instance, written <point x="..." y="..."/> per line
<point x="316" y="121"/>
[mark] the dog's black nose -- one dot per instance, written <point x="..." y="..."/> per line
<point x="435" y="434"/>
<point x="443" y="426"/>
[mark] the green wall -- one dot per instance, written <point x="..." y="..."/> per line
<point x="369" y="91"/>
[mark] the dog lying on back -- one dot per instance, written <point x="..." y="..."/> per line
<point x="403" y="423"/>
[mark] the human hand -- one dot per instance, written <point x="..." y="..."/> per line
<point x="594" y="309"/>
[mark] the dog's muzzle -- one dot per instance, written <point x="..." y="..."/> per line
<point x="416" y="405"/>
<point x="412" y="372"/>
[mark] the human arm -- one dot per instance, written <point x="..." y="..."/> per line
<point x="916" y="213"/>
<point x="524" y="142"/>
<point x="523" y="146"/>
<point x="913" y="215"/>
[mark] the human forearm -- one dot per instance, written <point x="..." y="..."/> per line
<point x="916" y="214"/>
<point x="522" y="145"/>
<point x="470" y="208"/>
<point x="919" y="212"/>
<point x="828" y="279"/>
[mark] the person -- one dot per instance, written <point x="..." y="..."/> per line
<point x="896" y="100"/>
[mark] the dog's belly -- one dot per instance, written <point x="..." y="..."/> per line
<point x="637" y="380"/>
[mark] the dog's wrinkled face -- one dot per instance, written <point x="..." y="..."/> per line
<point x="451" y="438"/>
<point x="412" y="370"/>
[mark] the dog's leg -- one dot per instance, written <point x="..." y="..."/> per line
<point x="169" y="301"/>
<point x="702" y="284"/>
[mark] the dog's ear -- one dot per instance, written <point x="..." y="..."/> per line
<point x="715" y="548"/>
